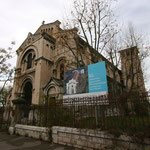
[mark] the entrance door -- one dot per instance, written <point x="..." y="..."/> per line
<point x="28" y="93"/>
<point x="28" y="97"/>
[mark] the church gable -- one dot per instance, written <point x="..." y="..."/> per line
<point x="54" y="87"/>
<point x="45" y="30"/>
<point x="31" y="38"/>
<point x="50" y="28"/>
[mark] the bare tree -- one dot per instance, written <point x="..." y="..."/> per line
<point x="133" y="59"/>
<point x="113" y="57"/>
<point x="96" y="25"/>
<point x="131" y="46"/>
<point x="70" y="40"/>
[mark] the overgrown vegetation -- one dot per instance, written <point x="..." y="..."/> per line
<point x="53" y="114"/>
<point x="6" y="72"/>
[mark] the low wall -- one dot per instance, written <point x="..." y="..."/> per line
<point x="92" y="139"/>
<point x="32" y="131"/>
<point x="83" y="138"/>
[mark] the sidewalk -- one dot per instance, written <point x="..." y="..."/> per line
<point x="14" y="142"/>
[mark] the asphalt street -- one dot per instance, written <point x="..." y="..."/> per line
<point x="14" y="142"/>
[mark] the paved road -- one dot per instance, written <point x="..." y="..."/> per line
<point x="13" y="142"/>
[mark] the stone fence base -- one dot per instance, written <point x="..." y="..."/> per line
<point x="83" y="138"/>
<point x="93" y="139"/>
<point x="31" y="131"/>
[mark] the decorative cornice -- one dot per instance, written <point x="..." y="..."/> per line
<point x="48" y="38"/>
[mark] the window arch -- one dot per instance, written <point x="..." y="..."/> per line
<point x="29" y="61"/>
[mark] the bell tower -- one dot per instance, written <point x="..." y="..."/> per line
<point x="131" y="69"/>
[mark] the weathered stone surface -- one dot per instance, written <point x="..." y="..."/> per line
<point x="83" y="137"/>
<point x="11" y="130"/>
<point x="54" y="138"/>
<point x="82" y="143"/>
<point x="93" y="139"/>
<point x="77" y="137"/>
<point x="87" y="148"/>
<point x="73" y="141"/>
<point x="32" y="128"/>
<point x="66" y="140"/>
<point x="32" y="131"/>
<point x="135" y="146"/>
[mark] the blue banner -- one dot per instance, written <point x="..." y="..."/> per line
<point x="97" y="77"/>
<point x="87" y="80"/>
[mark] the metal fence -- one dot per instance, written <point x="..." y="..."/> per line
<point x="5" y="119"/>
<point x="116" y="113"/>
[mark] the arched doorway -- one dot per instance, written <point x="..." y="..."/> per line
<point x="52" y="94"/>
<point x="28" y="92"/>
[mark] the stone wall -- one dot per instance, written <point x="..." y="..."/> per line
<point x="32" y="131"/>
<point x="93" y="139"/>
<point x="83" y="138"/>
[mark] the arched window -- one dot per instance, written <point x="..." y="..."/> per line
<point x="61" y="71"/>
<point x="29" y="61"/>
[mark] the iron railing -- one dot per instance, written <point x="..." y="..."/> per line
<point x="120" y="113"/>
<point x="5" y="117"/>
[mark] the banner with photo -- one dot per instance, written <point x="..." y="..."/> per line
<point x="87" y="81"/>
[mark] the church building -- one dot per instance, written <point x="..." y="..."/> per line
<point x="43" y="58"/>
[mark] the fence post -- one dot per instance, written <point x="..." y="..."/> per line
<point x="96" y="116"/>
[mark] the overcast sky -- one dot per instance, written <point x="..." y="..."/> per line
<point x="18" y="17"/>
